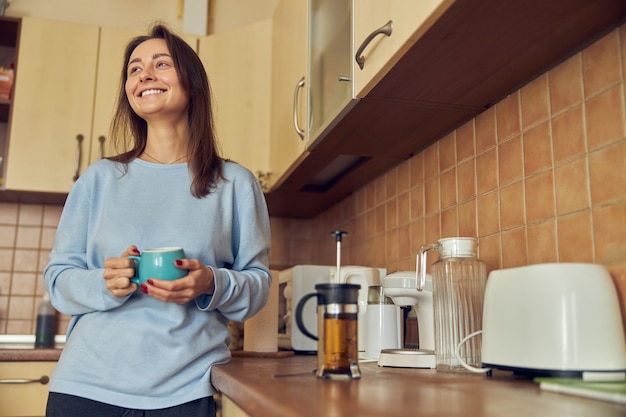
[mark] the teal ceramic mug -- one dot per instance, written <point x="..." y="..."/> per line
<point x="158" y="263"/>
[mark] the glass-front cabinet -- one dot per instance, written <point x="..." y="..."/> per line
<point x="352" y="45"/>
<point x="330" y="63"/>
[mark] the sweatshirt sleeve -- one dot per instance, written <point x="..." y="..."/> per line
<point x="76" y="286"/>
<point x="243" y="289"/>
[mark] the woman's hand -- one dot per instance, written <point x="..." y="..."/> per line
<point x="118" y="271"/>
<point x="200" y="280"/>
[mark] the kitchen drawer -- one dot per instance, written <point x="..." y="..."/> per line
<point x="24" y="399"/>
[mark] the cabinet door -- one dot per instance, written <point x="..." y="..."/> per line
<point x="110" y="62"/>
<point x="24" y="399"/>
<point x="289" y="47"/>
<point x="238" y="66"/>
<point x="52" y="105"/>
<point x="410" y="19"/>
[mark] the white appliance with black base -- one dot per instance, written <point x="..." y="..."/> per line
<point x="405" y="289"/>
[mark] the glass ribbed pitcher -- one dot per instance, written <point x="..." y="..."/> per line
<point x="459" y="280"/>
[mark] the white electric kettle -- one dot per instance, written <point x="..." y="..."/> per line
<point x="365" y="277"/>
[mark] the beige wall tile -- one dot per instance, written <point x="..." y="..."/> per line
<point x="404" y="243"/>
<point x="490" y="251"/>
<point x="601" y="64"/>
<point x="572" y="187"/>
<point x="24" y="283"/>
<point x="28" y="237"/>
<point x="512" y="206"/>
<point x="6" y="259"/>
<point x="542" y="242"/>
<point x="488" y="214"/>
<point x="466" y="180"/>
<point x="417" y="201"/>
<point x="391" y="182"/>
<point x="535" y="104"/>
<point x="447" y="152"/>
<point x="21" y="307"/>
<point x="508" y="116"/>
<point x="431" y="196"/>
<point x="7" y="236"/>
<point x="392" y="214"/>
<point x="510" y="161"/>
<point x="431" y="161"/>
<point x="575" y="237"/>
<point x="404" y="176"/>
<point x="566" y="84"/>
<point x="447" y="184"/>
<point x="605" y="118"/>
<point x="485" y="125"/>
<point x="432" y="228"/>
<point x="467" y="219"/>
<point x="8" y="213"/>
<point x="568" y="134"/>
<point x="417" y="169"/>
<point x="449" y="222"/>
<point x="540" y="197"/>
<point x="514" y="251"/>
<point x="5" y="287"/>
<point x="465" y="141"/>
<point x="404" y="208"/>
<point x="607" y="174"/>
<point x="51" y="215"/>
<point x="537" y="149"/>
<point x="418" y="234"/>
<point x="610" y="233"/>
<point x="30" y="215"/>
<point x="487" y="171"/>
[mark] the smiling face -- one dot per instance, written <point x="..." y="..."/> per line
<point x="152" y="84"/>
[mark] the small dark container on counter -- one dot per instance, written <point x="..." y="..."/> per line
<point x="44" y="334"/>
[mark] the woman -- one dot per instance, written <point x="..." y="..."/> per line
<point x="149" y="350"/>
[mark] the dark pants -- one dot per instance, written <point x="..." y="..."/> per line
<point x="63" y="405"/>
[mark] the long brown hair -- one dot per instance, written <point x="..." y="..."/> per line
<point x="129" y="131"/>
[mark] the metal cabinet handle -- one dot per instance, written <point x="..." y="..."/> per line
<point x="296" y="94"/>
<point x="101" y="139"/>
<point x="79" y="151"/>
<point x="43" y="381"/>
<point x="384" y="30"/>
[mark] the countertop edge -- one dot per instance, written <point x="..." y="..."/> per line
<point x="30" y="355"/>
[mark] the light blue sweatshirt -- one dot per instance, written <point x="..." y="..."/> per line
<point x="136" y="351"/>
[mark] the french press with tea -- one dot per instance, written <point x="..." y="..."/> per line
<point x="337" y="327"/>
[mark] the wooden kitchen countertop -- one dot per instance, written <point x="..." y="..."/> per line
<point x="29" y="355"/>
<point x="251" y="384"/>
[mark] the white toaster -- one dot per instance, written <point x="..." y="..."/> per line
<point x="558" y="319"/>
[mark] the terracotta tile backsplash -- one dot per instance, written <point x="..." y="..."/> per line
<point x="538" y="177"/>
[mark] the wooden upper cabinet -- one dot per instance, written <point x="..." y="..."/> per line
<point x="238" y="66"/>
<point x="289" y="90"/>
<point x="52" y="105"/>
<point x="409" y="20"/>
<point x="113" y="42"/>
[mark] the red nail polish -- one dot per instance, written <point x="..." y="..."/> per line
<point x="135" y="250"/>
<point x="179" y="262"/>
<point x="144" y="288"/>
<point x="150" y="282"/>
